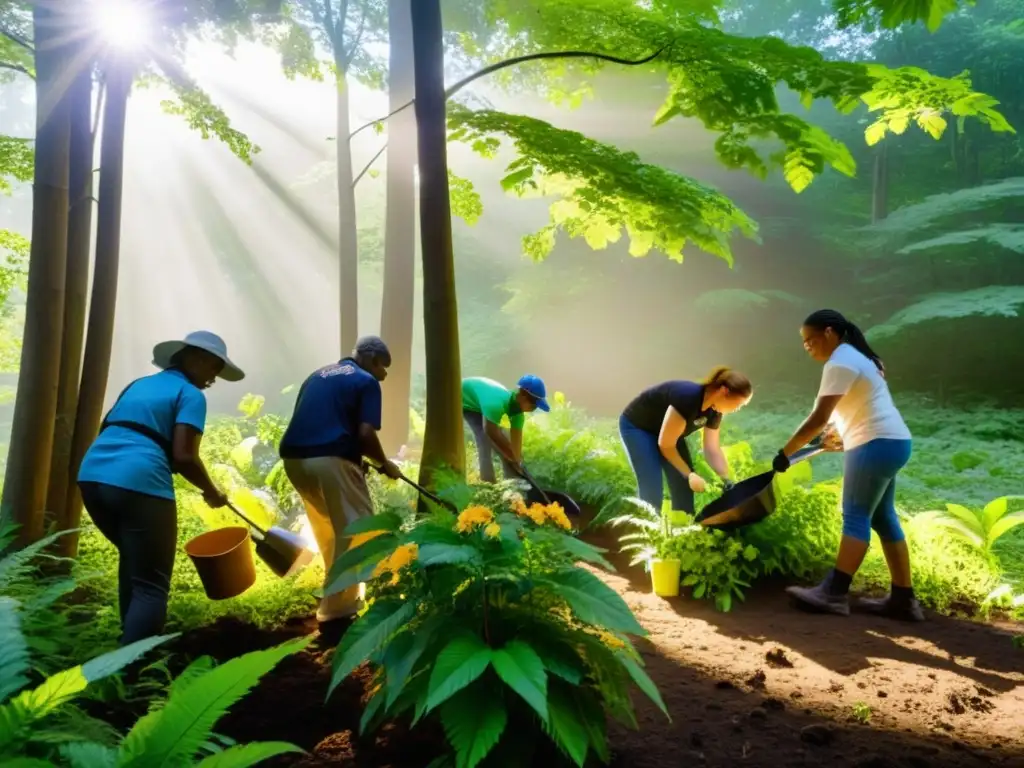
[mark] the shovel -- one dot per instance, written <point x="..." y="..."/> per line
<point x="751" y="500"/>
<point x="283" y="551"/>
<point x="422" y="491"/>
<point x="539" y="494"/>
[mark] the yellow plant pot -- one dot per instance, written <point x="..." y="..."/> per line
<point x="665" y="577"/>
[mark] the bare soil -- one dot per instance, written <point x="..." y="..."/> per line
<point x="763" y="686"/>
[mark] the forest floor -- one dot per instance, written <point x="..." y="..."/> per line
<point x="762" y="686"/>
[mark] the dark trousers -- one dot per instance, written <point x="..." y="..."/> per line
<point x="145" y="531"/>
<point x="475" y="422"/>
<point x="652" y="469"/>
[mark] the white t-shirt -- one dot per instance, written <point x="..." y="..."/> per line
<point x="866" y="411"/>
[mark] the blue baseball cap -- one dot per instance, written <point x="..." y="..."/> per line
<point x="534" y="387"/>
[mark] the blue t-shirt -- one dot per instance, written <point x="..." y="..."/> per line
<point x="127" y="459"/>
<point x="332" y="403"/>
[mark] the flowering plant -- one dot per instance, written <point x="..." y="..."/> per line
<point x="486" y="619"/>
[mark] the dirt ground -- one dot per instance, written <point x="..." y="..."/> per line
<point x="763" y="686"/>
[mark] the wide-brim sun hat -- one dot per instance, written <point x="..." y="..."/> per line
<point x="204" y="340"/>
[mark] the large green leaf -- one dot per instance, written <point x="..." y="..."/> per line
<point x="15" y="650"/>
<point x="443" y="554"/>
<point x="366" y="635"/>
<point x="1005" y="524"/>
<point x="643" y="681"/>
<point x="461" y="662"/>
<point x="372" y="551"/>
<point x="402" y="654"/>
<point x="86" y="754"/>
<point x="574" y="547"/>
<point x="523" y="671"/>
<point x="566" y="725"/>
<point x="174" y="733"/>
<point x="994" y="510"/>
<point x="473" y="720"/>
<point x="114" y="661"/>
<point x="593" y="601"/>
<point x="244" y="755"/>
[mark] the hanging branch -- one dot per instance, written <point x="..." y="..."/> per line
<point x="17" y="39"/>
<point x="490" y="69"/>
<point x="370" y="164"/>
<point x="16" y="68"/>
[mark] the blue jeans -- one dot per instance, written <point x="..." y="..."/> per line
<point x="869" y="489"/>
<point x="145" y="531"/>
<point x="652" y="469"/>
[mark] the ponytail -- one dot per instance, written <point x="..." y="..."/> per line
<point x="734" y="381"/>
<point x="847" y="332"/>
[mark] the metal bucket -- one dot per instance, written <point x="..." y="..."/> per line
<point x="223" y="559"/>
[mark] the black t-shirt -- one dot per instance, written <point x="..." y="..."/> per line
<point x="647" y="411"/>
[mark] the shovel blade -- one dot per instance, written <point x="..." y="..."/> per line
<point x="284" y="552"/>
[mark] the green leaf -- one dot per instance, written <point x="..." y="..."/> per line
<point x="572" y="546"/>
<point x="1006" y="523"/>
<point x="523" y="671"/>
<point x="561" y="661"/>
<point x="994" y="510"/>
<point x="366" y="635"/>
<point x="175" y="732"/>
<point x="385" y="521"/>
<point x="461" y="662"/>
<point x="441" y="554"/>
<point x="516" y="178"/>
<point x="402" y="654"/>
<point x="86" y="754"/>
<point x="593" y="601"/>
<point x="473" y="721"/>
<point x="13" y="671"/>
<point x="643" y="681"/>
<point x="875" y="132"/>
<point x="371" y="551"/>
<point x="933" y="124"/>
<point x="370" y="710"/>
<point x="245" y="755"/>
<point x="566" y="725"/>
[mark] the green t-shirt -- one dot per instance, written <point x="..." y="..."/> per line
<point x="489" y="398"/>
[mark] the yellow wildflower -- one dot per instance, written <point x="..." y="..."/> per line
<point x="396" y="561"/>
<point x="610" y="640"/>
<point x="557" y="515"/>
<point x="492" y="531"/>
<point x="473" y="516"/>
<point x="536" y="513"/>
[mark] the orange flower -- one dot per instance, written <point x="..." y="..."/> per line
<point x="474" y="516"/>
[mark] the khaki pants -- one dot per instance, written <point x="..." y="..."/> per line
<point x="335" y="494"/>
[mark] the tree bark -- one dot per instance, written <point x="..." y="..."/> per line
<point x="880" y="185"/>
<point x="443" y="445"/>
<point x="103" y="303"/>
<point x="79" y="250"/>
<point x="28" y="462"/>
<point x="396" y="317"/>
<point x="348" y="235"/>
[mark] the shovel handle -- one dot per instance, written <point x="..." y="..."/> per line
<point x="423" y="491"/>
<point x="533" y="483"/>
<point x="251" y="524"/>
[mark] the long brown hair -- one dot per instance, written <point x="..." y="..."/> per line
<point x="734" y="381"/>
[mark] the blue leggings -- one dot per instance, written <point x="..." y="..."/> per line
<point x="650" y="467"/>
<point x="869" y="489"/>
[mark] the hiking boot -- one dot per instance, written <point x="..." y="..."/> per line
<point x="818" y="600"/>
<point x="901" y="610"/>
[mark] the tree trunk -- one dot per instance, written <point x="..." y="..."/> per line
<point x="443" y="445"/>
<point x="103" y="304"/>
<point x="880" y="185"/>
<point x="348" y="236"/>
<point x="75" y="298"/>
<point x="28" y="462"/>
<point x="396" y="317"/>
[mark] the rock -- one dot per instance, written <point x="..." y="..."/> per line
<point x="774" y="704"/>
<point x="758" y="713"/>
<point x="724" y="685"/>
<point x="883" y="695"/>
<point x="818" y="735"/>
<point x="757" y="680"/>
<point x="776" y="657"/>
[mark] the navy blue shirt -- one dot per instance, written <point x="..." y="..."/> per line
<point x="332" y="403"/>
<point x="647" y="411"/>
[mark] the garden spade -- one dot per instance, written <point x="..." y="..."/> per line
<point x="283" y="551"/>
<point x="751" y="500"/>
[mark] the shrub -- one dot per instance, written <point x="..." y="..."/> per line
<point x="486" y="619"/>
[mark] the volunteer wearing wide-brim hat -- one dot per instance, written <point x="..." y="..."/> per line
<point x="152" y="432"/>
<point x="485" y="403"/>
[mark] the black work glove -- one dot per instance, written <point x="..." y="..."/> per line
<point x="781" y="462"/>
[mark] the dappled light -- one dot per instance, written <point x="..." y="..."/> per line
<point x="432" y="383"/>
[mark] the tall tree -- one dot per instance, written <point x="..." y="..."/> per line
<point x="345" y="29"/>
<point x="397" y="305"/>
<point x="118" y="74"/>
<point x="25" y="482"/>
<point x="443" y="445"/>
<point x="79" y="252"/>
